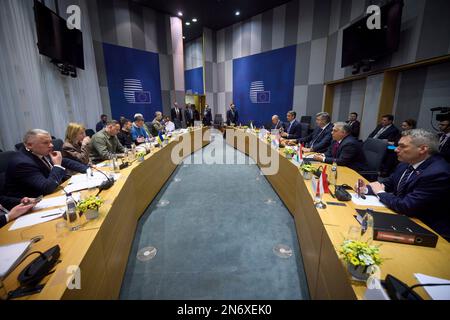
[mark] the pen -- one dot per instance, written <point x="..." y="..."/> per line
<point x="51" y="215"/>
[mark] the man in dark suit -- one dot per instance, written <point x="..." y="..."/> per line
<point x="346" y="150"/>
<point x="177" y="115"/>
<point x="100" y="125"/>
<point x="354" y="124"/>
<point x="232" y="115"/>
<point x="320" y="139"/>
<point x="444" y="139"/>
<point x="207" y="116"/>
<point x="189" y="115"/>
<point x="293" y="128"/>
<point x="36" y="169"/>
<point x="420" y="186"/>
<point x="276" y="123"/>
<point x="386" y="130"/>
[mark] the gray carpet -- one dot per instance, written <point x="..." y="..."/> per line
<point x="215" y="238"/>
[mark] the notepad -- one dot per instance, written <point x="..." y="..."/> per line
<point x="54" y="202"/>
<point x="370" y="201"/>
<point x="436" y="293"/>
<point x="36" y="218"/>
<point x="11" y="255"/>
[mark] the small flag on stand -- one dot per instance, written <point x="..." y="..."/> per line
<point x="160" y="138"/>
<point x="322" y="184"/>
<point x="300" y="154"/>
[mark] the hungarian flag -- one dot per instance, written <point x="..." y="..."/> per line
<point x="322" y="184"/>
<point x="300" y="153"/>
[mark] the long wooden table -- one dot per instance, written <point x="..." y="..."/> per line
<point x="321" y="232"/>
<point x="101" y="247"/>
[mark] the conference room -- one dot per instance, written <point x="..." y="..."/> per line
<point x="225" y="151"/>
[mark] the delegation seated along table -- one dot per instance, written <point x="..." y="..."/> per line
<point x="100" y="248"/>
<point x="321" y="231"/>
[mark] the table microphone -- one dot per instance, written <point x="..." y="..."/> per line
<point x="105" y="184"/>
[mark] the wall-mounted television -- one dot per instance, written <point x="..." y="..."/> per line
<point x="362" y="44"/>
<point x="56" y="40"/>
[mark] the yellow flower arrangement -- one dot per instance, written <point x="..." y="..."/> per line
<point x="360" y="253"/>
<point x="91" y="202"/>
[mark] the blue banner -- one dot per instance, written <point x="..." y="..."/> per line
<point x="194" y="80"/>
<point x="263" y="85"/>
<point x="133" y="82"/>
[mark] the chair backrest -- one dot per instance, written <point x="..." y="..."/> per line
<point x="90" y="132"/>
<point x="374" y="151"/>
<point x="306" y="119"/>
<point x="57" y="144"/>
<point x="218" y="119"/>
<point x="18" y="146"/>
<point x="305" y="129"/>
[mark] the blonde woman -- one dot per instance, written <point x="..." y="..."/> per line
<point x="76" y="145"/>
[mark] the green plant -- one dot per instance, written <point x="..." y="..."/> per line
<point x="359" y="253"/>
<point x="307" y="167"/>
<point x="91" y="202"/>
<point x="140" y="154"/>
<point x="289" y="151"/>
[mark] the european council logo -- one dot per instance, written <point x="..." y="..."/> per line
<point x="258" y="94"/>
<point x="133" y="92"/>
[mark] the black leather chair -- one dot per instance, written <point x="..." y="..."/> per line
<point x="18" y="146"/>
<point x="90" y="132"/>
<point x="4" y="160"/>
<point x="218" y="120"/>
<point x="57" y="144"/>
<point x="374" y="151"/>
<point x="305" y="129"/>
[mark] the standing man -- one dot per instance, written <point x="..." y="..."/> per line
<point x="232" y="115"/>
<point x="102" y="124"/>
<point x="189" y="116"/>
<point x="444" y="138"/>
<point x="386" y="130"/>
<point x="354" y="124"/>
<point x="207" y="116"/>
<point x="176" y="114"/>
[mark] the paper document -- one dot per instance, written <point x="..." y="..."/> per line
<point x="436" y="293"/>
<point x="82" y="184"/>
<point x="54" y="202"/>
<point x="370" y="201"/>
<point x="36" y="218"/>
<point x="11" y="255"/>
<point x="83" y="177"/>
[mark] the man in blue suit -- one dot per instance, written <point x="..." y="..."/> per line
<point x="36" y="169"/>
<point x="293" y="128"/>
<point x="386" y="130"/>
<point x="320" y="139"/>
<point x="346" y="150"/>
<point x="420" y="186"/>
<point x="232" y="115"/>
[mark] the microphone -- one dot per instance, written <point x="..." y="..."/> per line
<point x="105" y="184"/>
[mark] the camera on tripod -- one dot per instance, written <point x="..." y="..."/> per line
<point x="444" y="114"/>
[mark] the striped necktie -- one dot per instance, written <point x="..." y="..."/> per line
<point x="404" y="180"/>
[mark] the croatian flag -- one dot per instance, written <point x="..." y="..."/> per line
<point x="322" y="184"/>
<point x="300" y="154"/>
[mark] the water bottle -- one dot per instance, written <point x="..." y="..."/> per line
<point x="115" y="164"/>
<point x="71" y="216"/>
<point x="367" y="227"/>
<point x="333" y="174"/>
<point x="133" y="151"/>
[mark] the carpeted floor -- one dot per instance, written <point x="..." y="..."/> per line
<point x="216" y="237"/>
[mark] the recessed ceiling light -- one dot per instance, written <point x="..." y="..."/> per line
<point x="237" y="13"/>
<point x="180" y="14"/>
<point x="188" y="23"/>
<point x="194" y="20"/>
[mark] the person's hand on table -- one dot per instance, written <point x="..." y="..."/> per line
<point x="377" y="187"/>
<point x="140" y="140"/>
<point x="284" y="134"/>
<point x="319" y="157"/>
<point x="306" y="150"/>
<point x="19" y="210"/>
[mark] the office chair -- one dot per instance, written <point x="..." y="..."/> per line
<point x="4" y="160"/>
<point x="90" y="132"/>
<point x="18" y="146"/>
<point x="305" y="129"/>
<point x="218" y="121"/>
<point x="306" y="119"/>
<point x="57" y="144"/>
<point x="374" y="151"/>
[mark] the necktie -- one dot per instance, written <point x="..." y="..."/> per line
<point x="335" y="149"/>
<point x="404" y="180"/>
<point x="379" y="133"/>
<point x="177" y="111"/>
<point x="317" y="137"/>
<point x="442" y="142"/>
<point x="47" y="163"/>
<point x="290" y="126"/>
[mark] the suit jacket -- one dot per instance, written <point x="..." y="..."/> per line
<point x="28" y="176"/>
<point x="349" y="154"/>
<point x="8" y="203"/>
<point x="356" y="127"/>
<point x="188" y="117"/>
<point x="319" y="140"/>
<point x="232" y="118"/>
<point x="391" y="133"/>
<point x="207" y="118"/>
<point x="2" y="220"/>
<point x="277" y="126"/>
<point x="295" y="131"/>
<point x="99" y="126"/>
<point x="444" y="150"/>
<point x="425" y="195"/>
<point x="78" y="153"/>
<point x="173" y="114"/>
